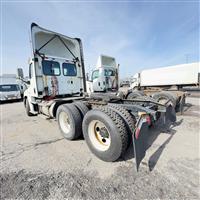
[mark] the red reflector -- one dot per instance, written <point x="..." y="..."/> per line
<point x="148" y="120"/>
<point x="137" y="132"/>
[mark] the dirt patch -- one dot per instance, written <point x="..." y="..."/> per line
<point x="124" y="184"/>
<point x="37" y="163"/>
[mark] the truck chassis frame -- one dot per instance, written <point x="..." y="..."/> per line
<point x="141" y="112"/>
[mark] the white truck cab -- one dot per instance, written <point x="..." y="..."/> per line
<point x="135" y="81"/>
<point x="56" y="69"/>
<point x="104" y="76"/>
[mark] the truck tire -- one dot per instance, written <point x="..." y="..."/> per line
<point x="164" y="97"/>
<point x="27" y="107"/>
<point x="134" y="94"/>
<point x="83" y="109"/>
<point x="105" y="133"/>
<point x="69" y="121"/>
<point x="129" y="119"/>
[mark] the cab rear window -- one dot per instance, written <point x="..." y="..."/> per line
<point x="50" y="68"/>
<point x="69" y="69"/>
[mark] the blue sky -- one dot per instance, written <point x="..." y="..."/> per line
<point x="139" y="35"/>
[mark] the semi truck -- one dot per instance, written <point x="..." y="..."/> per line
<point x="166" y="77"/>
<point x="57" y="90"/>
<point x="165" y="83"/>
<point x="104" y="77"/>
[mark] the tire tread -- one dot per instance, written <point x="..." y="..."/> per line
<point x="128" y="118"/>
<point x="118" y="121"/>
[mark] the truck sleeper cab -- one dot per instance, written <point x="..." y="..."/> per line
<point x="108" y="123"/>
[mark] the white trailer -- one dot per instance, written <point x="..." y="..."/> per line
<point x="178" y="75"/>
<point x="165" y="83"/>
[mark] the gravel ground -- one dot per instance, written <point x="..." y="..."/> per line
<point x="37" y="163"/>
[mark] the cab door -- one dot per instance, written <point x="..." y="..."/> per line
<point x="98" y="80"/>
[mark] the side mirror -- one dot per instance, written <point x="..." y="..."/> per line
<point x="20" y="73"/>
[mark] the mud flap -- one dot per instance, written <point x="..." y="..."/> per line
<point x="141" y="134"/>
<point x="170" y="115"/>
<point x="140" y="140"/>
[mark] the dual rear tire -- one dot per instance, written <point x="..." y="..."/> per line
<point x="135" y="94"/>
<point x="165" y="97"/>
<point x="105" y="129"/>
<point x="69" y="117"/>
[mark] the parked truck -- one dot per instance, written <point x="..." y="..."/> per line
<point x="165" y="83"/>
<point x="104" y="77"/>
<point x="166" y="77"/>
<point x="58" y="90"/>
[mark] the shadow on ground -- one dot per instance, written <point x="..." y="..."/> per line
<point x="150" y="135"/>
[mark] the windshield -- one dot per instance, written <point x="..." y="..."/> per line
<point x="9" y="88"/>
<point x="95" y="74"/>
<point x="134" y="80"/>
<point x="109" y="72"/>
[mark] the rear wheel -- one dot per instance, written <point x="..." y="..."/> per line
<point x="83" y="109"/>
<point x="164" y="97"/>
<point x="135" y="94"/>
<point x="105" y="133"/>
<point x="129" y="119"/>
<point x="69" y="121"/>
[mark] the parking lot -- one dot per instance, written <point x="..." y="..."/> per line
<point x="37" y="163"/>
